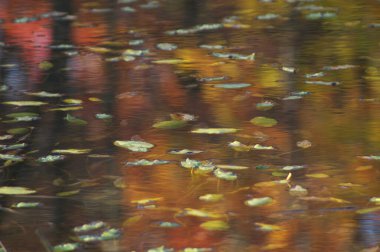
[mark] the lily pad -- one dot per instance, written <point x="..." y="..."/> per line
<point x="66" y="247"/>
<point x="15" y="190"/>
<point x="258" y="201"/>
<point x="214" y="130"/>
<point x="225" y="175"/>
<point x="71" y="151"/>
<point x="136" y="146"/>
<point x="190" y="163"/>
<point x="232" y="85"/>
<point x="144" y="162"/>
<point x="211" y="197"/>
<point x="264" y="121"/>
<point x="215" y="225"/>
<point x="89" y="227"/>
<point x="75" y="120"/>
<point x="172" y="124"/>
<point x="25" y="103"/>
<point x="51" y="158"/>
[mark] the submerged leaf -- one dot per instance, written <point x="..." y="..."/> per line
<point x="15" y="190"/>
<point x="136" y="146"/>
<point x="215" y="225"/>
<point x="214" y="130"/>
<point x="172" y="124"/>
<point x="258" y="201"/>
<point x="264" y="121"/>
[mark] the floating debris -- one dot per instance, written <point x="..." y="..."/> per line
<point x="66" y="247"/>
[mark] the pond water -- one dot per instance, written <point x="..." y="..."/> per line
<point x="168" y="125"/>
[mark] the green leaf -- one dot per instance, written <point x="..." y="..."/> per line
<point x="73" y="101"/>
<point x="144" y="162"/>
<point x="214" y="130"/>
<point x="265" y="105"/>
<point x="136" y="146"/>
<point x="68" y="193"/>
<point x="172" y="124"/>
<point x="22" y="114"/>
<point x="190" y="163"/>
<point x="11" y="157"/>
<point x="67" y="108"/>
<point x="232" y="85"/>
<point x="258" y="201"/>
<point x="15" y="190"/>
<point x="215" y="225"/>
<point x="25" y="103"/>
<point x="264" y="121"/>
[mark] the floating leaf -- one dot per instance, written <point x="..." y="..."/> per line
<point x="75" y="120"/>
<point x="51" y="158"/>
<point x="265" y="105"/>
<point x="43" y="94"/>
<point x="304" y="144"/>
<point x="324" y="199"/>
<point x="212" y="197"/>
<point x="172" y="124"/>
<point x="292" y="97"/>
<point x="267" y="227"/>
<point x="364" y="168"/>
<point x="11" y="157"/>
<point x="147" y="201"/>
<point x="323" y="83"/>
<point x="293" y="167"/>
<point x="103" y="116"/>
<point x="89" y="227"/>
<point x="73" y="101"/>
<point x="238" y="146"/>
<point x="315" y="75"/>
<point x="25" y="103"/>
<point x="320" y="15"/>
<point x="183" y="117"/>
<point x="18" y="131"/>
<point x="184" y="152"/>
<point x="195" y="29"/>
<point x="289" y="69"/>
<point x="215" y="225"/>
<point x="226" y="175"/>
<point x="144" y="162"/>
<point x="132" y="52"/>
<point x="68" y="193"/>
<point x="71" y="151"/>
<point x="167" y="46"/>
<point x="67" y="108"/>
<point x="190" y="163"/>
<point x="232" y="85"/>
<point x="232" y="167"/>
<point x="298" y="191"/>
<point x="214" y="130"/>
<point x="234" y="56"/>
<point x="161" y="249"/>
<point x="258" y="201"/>
<point x="261" y="147"/>
<point x="109" y="234"/>
<point x="166" y="224"/>
<point x="26" y="205"/>
<point x="317" y="175"/>
<point x="349" y="185"/>
<point x="268" y="16"/>
<point x="170" y="61"/>
<point x="200" y="213"/>
<point x="22" y="115"/>
<point x="371" y="157"/>
<point x="196" y="250"/>
<point x="132" y="220"/>
<point x="13" y="146"/>
<point x="15" y="190"/>
<point x="66" y="247"/>
<point x="264" y="121"/>
<point x="271" y="183"/>
<point x="45" y="65"/>
<point x="374" y="200"/>
<point x="368" y="210"/>
<point x="136" y="146"/>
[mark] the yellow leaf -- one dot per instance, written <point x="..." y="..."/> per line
<point x="317" y="175"/>
<point x="364" y="168"/>
<point x="215" y="225"/>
